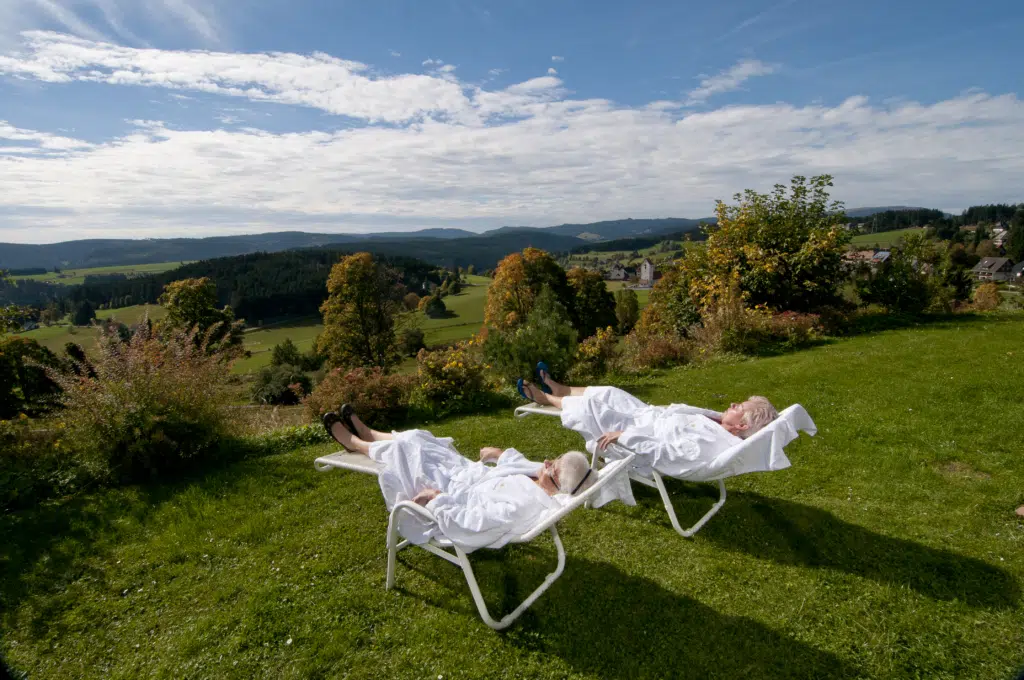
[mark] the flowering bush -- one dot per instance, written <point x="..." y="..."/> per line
<point x="381" y="399"/>
<point x="986" y="297"/>
<point x="148" y="405"/>
<point x="451" y="379"/>
<point x="643" y="351"/>
<point x="593" y="356"/>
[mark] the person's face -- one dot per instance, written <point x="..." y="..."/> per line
<point x="550" y="476"/>
<point x="732" y="419"/>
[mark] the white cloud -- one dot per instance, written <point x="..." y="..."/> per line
<point x="433" y="151"/>
<point x="557" y="58"/>
<point x="730" y="79"/>
<point x="395" y="53"/>
<point x="497" y="71"/>
<point x="552" y="72"/>
<point x="432" y="62"/>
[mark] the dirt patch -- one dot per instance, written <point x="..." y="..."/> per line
<point x="962" y="470"/>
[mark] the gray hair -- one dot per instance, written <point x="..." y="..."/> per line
<point x="572" y="470"/>
<point x="757" y="412"/>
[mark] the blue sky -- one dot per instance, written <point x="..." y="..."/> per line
<point x="156" y="118"/>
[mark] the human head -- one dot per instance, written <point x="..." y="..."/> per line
<point x="568" y="472"/>
<point x="746" y="418"/>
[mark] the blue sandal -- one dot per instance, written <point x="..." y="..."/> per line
<point x="541" y="366"/>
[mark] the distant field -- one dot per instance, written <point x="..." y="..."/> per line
<point x="651" y="253"/>
<point x="55" y="337"/>
<point x="72" y="277"/>
<point x="884" y="239"/>
<point x="643" y="295"/>
<point x="261" y="342"/>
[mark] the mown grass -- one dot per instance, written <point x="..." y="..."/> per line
<point x="889" y="549"/>
<point x="883" y="239"/>
<point x="58" y="335"/>
<point x="73" y="277"/>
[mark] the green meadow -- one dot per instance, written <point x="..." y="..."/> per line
<point x="889" y="549"/>
<point x="71" y="277"/>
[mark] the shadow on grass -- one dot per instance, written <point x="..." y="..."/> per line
<point x="608" y="623"/>
<point x="790" y="533"/>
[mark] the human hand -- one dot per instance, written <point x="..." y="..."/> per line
<point x="489" y="453"/>
<point x="606" y="439"/>
<point x="425" y="496"/>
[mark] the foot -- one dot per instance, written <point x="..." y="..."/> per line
<point x="557" y="389"/>
<point x="533" y="393"/>
<point x="362" y="430"/>
<point x="337" y="430"/>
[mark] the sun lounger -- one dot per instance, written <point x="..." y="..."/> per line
<point x="769" y="442"/>
<point x="442" y="547"/>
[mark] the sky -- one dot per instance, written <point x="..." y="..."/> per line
<point x="161" y="118"/>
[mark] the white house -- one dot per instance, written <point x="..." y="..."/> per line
<point x="646" y="273"/>
<point x="616" y="272"/>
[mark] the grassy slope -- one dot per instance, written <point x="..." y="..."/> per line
<point x="885" y="239"/>
<point x="55" y="337"/>
<point x="71" y="277"/>
<point x="888" y="550"/>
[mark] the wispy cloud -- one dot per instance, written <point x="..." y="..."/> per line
<point x="432" y="62"/>
<point x="497" y="71"/>
<point x="557" y="58"/>
<point x="729" y="79"/>
<point x="395" y="53"/>
<point x="552" y="72"/>
<point x="751" y="21"/>
<point x="105" y="19"/>
<point x="433" y="150"/>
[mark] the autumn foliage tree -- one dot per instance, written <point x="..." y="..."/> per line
<point x="191" y="305"/>
<point x="518" y="281"/>
<point x="785" y="248"/>
<point x="364" y="298"/>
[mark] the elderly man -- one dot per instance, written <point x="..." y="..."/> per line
<point x="677" y="441"/>
<point x="474" y="505"/>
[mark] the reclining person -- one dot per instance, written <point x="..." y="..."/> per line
<point x="677" y="441"/>
<point x="475" y="505"/>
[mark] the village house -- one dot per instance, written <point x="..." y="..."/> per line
<point x="1017" y="273"/>
<point x="993" y="269"/>
<point x="647" y="274"/>
<point x="616" y="272"/>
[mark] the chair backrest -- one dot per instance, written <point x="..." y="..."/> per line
<point x="605" y="475"/>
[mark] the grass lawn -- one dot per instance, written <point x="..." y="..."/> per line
<point x="884" y="239"/>
<point x="889" y="549"/>
<point x="72" y="277"/>
<point x="643" y="295"/>
<point x="261" y="342"/>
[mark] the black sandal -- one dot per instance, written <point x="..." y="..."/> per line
<point x="345" y="414"/>
<point x="330" y="419"/>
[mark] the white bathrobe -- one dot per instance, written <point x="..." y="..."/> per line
<point x="479" y="505"/>
<point x="678" y="441"/>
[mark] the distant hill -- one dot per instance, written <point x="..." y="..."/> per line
<point x="111" y="252"/>
<point x="615" y="229"/>
<point x="867" y="212"/>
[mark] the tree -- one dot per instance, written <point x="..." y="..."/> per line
<point x="283" y="384"/>
<point x="1015" y="242"/>
<point x="593" y="306"/>
<point x="411" y="301"/>
<point x="411" y="340"/>
<point x="470" y="270"/>
<point x="897" y="285"/>
<point x="670" y="309"/>
<point x="191" y="305"/>
<point x="359" y="314"/>
<point x="83" y="313"/>
<point x="627" y="309"/>
<point x="785" y="247"/>
<point x="546" y="333"/>
<point x="435" y="307"/>
<point x="518" y="281"/>
<point x="286" y="354"/>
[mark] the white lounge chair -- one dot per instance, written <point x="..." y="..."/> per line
<point x="440" y="547"/>
<point x="769" y="442"/>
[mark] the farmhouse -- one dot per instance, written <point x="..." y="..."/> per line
<point x="993" y="269"/>
<point x="616" y="272"/>
<point x="1017" y="273"/>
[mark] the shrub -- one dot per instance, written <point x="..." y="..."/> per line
<point x="986" y="297"/>
<point x="627" y="309"/>
<point x="411" y="341"/>
<point x="594" y="356"/>
<point x="285" y="354"/>
<point x="644" y="351"/>
<point x="280" y="385"/>
<point x="670" y="310"/>
<point x="379" y="398"/>
<point x="32" y="464"/>
<point x="452" y="379"/>
<point x="896" y="285"/>
<point x="592" y="306"/>
<point x="435" y="308"/>
<point x="547" y="335"/>
<point x="25" y="386"/>
<point x="153" y="406"/>
<point x="411" y="302"/>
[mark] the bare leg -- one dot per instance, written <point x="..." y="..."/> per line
<point x="366" y="434"/>
<point x="560" y="390"/>
<point x="537" y="396"/>
<point x="349" y="440"/>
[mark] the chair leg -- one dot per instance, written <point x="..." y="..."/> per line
<point x="392" y="550"/>
<point x="688" y="533"/>
<point x="478" y="597"/>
